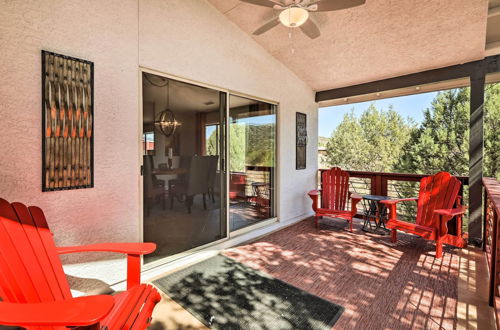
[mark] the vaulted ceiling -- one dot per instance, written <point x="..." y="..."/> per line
<point x="493" y="28"/>
<point x="381" y="39"/>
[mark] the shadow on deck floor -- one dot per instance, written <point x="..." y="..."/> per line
<point x="381" y="285"/>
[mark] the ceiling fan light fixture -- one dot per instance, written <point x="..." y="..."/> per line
<point x="293" y="16"/>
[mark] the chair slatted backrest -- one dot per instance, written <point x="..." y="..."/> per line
<point x="334" y="189"/>
<point x="198" y="179"/>
<point x="438" y="191"/>
<point x="30" y="268"/>
<point x="212" y="170"/>
<point x="148" y="177"/>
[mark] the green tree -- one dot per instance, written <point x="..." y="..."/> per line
<point x="492" y="131"/>
<point x="260" y="145"/>
<point x="372" y="142"/>
<point x="441" y="143"/>
<point x="237" y="147"/>
<point x="250" y="145"/>
<point x="212" y="141"/>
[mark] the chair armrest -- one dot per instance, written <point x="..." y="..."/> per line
<point x="126" y="248"/>
<point x="81" y="311"/>
<point x="446" y="215"/>
<point x="452" y="212"/>
<point x="315" y="192"/>
<point x="133" y="251"/>
<point x="355" y="196"/>
<point x="355" y="199"/>
<point x="314" y="195"/>
<point x="395" y="201"/>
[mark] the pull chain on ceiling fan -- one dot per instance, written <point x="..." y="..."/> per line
<point x="296" y="13"/>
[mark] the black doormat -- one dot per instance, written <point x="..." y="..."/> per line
<point x="225" y="294"/>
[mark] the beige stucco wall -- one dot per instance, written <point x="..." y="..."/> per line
<point x="187" y="38"/>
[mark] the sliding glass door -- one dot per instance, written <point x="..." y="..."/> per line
<point x="252" y="161"/>
<point x="183" y="180"/>
<point x="209" y="161"/>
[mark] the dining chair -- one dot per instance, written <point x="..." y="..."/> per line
<point x="212" y="174"/>
<point x="153" y="189"/>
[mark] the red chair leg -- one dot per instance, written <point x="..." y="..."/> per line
<point x="394" y="236"/>
<point x="350" y="225"/>
<point x="439" y="249"/>
<point x="316" y="221"/>
<point x="133" y="270"/>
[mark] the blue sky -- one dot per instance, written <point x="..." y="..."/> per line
<point x="408" y="106"/>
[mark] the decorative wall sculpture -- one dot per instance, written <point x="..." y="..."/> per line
<point x="67" y="119"/>
<point x="301" y="141"/>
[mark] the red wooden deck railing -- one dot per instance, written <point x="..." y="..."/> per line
<point x="491" y="239"/>
<point x="380" y="181"/>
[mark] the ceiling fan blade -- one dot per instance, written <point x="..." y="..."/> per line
<point x="264" y="3"/>
<point x="313" y="7"/>
<point x="330" y="5"/>
<point x="310" y="29"/>
<point x="266" y="27"/>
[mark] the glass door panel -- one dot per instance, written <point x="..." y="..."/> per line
<point x="184" y="188"/>
<point x="252" y="161"/>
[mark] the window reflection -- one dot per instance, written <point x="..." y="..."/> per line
<point x="252" y="145"/>
<point x="183" y="204"/>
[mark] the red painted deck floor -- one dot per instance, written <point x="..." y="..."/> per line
<point x="381" y="285"/>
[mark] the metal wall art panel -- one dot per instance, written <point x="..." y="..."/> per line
<point x="67" y="122"/>
<point x="301" y="141"/>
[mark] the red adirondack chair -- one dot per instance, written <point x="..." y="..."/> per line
<point x="437" y="203"/>
<point x="334" y="196"/>
<point x="34" y="290"/>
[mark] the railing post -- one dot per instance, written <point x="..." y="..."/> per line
<point x="493" y="258"/>
<point x="492" y="268"/>
<point x="476" y="155"/>
<point x="378" y="185"/>
<point x="384" y="186"/>
<point x="491" y="239"/>
<point x="485" y="220"/>
<point x="373" y="185"/>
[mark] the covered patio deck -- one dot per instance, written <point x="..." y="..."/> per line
<point x="380" y="49"/>
<point x="381" y="285"/>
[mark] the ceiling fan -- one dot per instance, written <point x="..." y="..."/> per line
<point x="295" y="13"/>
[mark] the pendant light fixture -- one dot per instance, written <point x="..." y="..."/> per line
<point x="166" y="121"/>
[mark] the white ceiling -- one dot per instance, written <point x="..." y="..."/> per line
<point x="493" y="29"/>
<point x="381" y="39"/>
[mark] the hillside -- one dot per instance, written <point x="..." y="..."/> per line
<point x="322" y="141"/>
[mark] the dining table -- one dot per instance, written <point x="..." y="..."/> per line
<point x="169" y="171"/>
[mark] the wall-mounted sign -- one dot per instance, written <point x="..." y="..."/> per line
<point x="67" y="122"/>
<point x="301" y="141"/>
